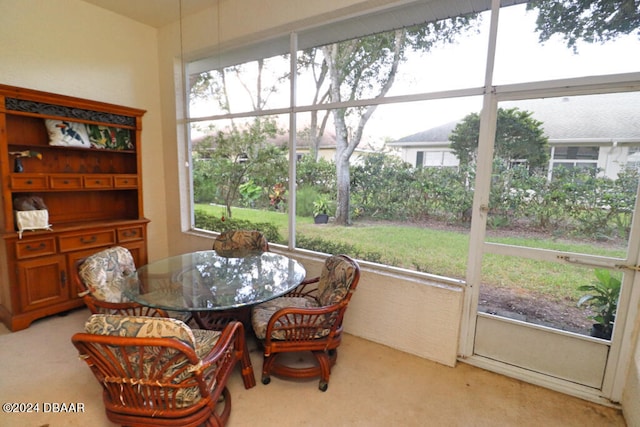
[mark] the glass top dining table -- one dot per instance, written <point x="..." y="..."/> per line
<point x="209" y="281"/>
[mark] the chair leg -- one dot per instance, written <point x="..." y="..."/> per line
<point x="248" y="377"/>
<point x="220" y="419"/>
<point x="324" y="360"/>
<point x="241" y="355"/>
<point x="267" y="364"/>
<point x="333" y="355"/>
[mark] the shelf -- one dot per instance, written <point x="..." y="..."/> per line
<point x="39" y="147"/>
<point x="93" y="197"/>
<point x="123" y="225"/>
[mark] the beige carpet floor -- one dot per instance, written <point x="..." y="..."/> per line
<point x="371" y="385"/>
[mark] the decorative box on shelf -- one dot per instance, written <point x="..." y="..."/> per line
<point x="32" y="220"/>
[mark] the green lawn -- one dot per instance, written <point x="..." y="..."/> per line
<point x="443" y="252"/>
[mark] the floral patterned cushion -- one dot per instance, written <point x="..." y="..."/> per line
<point x="263" y="312"/>
<point x="205" y="341"/>
<point x="201" y="341"/>
<point x="104" y="273"/>
<point x="236" y="241"/>
<point x="335" y="279"/>
<point x="141" y="327"/>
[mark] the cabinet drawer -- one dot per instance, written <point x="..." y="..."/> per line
<point x="98" y="181"/>
<point x="87" y="240"/>
<point x="28" y="182"/>
<point x="126" y="181"/>
<point x="35" y="247"/>
<point x="130" y="234"/>
<point x="65" y="182"/>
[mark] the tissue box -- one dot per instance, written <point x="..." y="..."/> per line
<point x="32" y="220"/>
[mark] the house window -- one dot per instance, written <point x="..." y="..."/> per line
<point x="633" y="159"/>
<point x="419" y="159"/>
<point x="576" y="153"/>
<point x="575" y="157"/>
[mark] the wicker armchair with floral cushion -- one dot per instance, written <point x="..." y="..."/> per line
<point x="234" y="244"/>
<point x="159" y="372"/>
<point x="239" y="242"/>
<point x="309" y="318"/>
<point x="100" y="278"/>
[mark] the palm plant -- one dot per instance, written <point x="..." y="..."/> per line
<point x="602" y="296"/>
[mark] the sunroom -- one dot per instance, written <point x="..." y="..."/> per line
<point x="455" y="58"/>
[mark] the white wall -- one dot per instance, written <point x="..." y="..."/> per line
<point x="73" y="48"/>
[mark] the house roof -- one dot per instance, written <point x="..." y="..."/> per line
<point x="436" y="134"/>
<point x="581" y="119"/>
<point x="328" y="140"/>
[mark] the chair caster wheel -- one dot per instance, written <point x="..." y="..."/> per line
<point x="323" y="386"/>
<point x="266" y="380"/>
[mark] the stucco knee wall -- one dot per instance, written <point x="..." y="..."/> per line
<point x="412" y="314"/>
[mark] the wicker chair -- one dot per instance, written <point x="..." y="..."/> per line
<point x="158" y="372"/>
<point x="309" y="318"/>
<point x="100" y="278"/>
<point x="239" y="242"/>
<point x="234" y="243"/>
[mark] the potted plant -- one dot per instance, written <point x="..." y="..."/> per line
<point x="321" y="210"/>
<point x="602" y="296"/>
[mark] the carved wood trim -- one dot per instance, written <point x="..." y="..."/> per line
<point x="15" y="104"/>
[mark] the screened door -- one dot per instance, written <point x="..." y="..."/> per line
<point x="556" y="250"/>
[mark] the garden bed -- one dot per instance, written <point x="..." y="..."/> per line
<point x="515" y="303"/>
<point x="526" y="306"/>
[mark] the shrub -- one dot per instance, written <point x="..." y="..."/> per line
<point x="304" y="200"/>
<point x="214" y="223"/>
<point x="331" y="247"/>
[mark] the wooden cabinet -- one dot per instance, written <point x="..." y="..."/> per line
<point x="93" y="196"/>
<point x="43" y="282"/>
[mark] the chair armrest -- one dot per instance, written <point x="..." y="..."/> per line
<point x="219" y="363"/>
<point x="305" y="288"/>
<point x="229" y="337"/>
<point x="305" y="323"/>
<point x="122" y="308"/>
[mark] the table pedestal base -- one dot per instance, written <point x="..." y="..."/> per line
<point x="216" y="320"/>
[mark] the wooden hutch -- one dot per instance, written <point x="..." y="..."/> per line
<point x="93" y="197"/>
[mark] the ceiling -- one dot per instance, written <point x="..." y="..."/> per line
<point x="156" y="13"/>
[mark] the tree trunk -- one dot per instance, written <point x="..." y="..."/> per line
<point x="343" y="216"/>
<point x="345" y="143"/>
<point x="343" y="178"/>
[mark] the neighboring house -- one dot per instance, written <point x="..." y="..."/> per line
<point x="599" y="131"/>
<point x="326" y="149"/>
